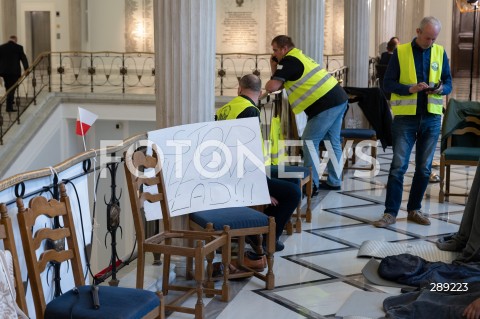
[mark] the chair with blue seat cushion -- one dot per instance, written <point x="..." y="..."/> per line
<point x="357" y="135"/>
<point x="115" y="302"/>
<point x="374" y="106"/>
<point x="460" y="142"/>
<point x="200" y="245"/>
<point x="302" y="176"/>
<point x="242" y="221"/>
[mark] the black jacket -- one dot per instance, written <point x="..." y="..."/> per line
<point x="375" y="108"/>
<point x="11" y="54"/>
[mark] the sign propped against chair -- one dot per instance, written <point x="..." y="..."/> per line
<point x="210" y="165"/>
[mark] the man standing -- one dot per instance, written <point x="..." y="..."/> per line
<point x="417" y="76"/>
<point x="312" y="90"/>
<point x="11" y="54"/>
<point x="284" y="195"/>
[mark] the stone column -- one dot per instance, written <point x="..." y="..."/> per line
<point x="184" y="61"/>
<point x="8" y="19"/>
<point x="385" y="28"/>
<point x="184" y="36"/>
<point x="306" y="20"/>
<point x="409" y="14"/>
<point x="356" y="41"/>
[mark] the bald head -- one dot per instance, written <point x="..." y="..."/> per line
<point x="250" y="85"/>
<point x="251" y="82"/>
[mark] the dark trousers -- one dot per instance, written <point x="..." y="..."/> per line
<point x="9" y="82"/>
<point x="288" y="195"/>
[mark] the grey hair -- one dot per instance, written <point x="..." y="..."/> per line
<point x="251" y="82"/>
<point x="430" y="20"/>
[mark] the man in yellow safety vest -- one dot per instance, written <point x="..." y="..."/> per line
<point x="311" y="90"/>
<point x="284" y="195"/>
<point x="417" y="76"/>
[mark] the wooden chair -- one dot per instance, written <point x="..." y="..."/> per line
<point x="462" y="148"/>
<point x="243" y="222"/>
<point x="356" y="136"/>
<point x="115" y="302"/>
<point x="6" y="235"/>
<point x="207" y="242"/>
<point x="376" y="110"/>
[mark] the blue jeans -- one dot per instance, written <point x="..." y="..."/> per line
<point x="325" y="125"/>
<point x="406" y="130"/>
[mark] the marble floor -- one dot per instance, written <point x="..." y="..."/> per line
<point x="319" y="268"/>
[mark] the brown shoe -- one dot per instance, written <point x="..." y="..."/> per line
<point x="255" y="262"/>
<point x="385" y="221"/>
<point x="417" y="216"/>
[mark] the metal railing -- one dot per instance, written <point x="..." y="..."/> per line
<point x="123" y="72"/>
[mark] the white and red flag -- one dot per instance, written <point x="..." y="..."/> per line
<point x="85" y="120"/>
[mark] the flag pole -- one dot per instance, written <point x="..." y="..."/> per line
<point x="81" y="129"/>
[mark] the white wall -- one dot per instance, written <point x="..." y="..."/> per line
<point x="442" y="10"/>
<point x="106" y="25"/>
<point x="58" y="25"/>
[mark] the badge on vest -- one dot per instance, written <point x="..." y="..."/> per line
<point x="435" y="66"/>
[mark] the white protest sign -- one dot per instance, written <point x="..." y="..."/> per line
<point x="210" y="165"/>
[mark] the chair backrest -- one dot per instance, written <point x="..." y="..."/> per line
<point x="380" y="70"/>
<point x="376" y="110"/>
<point x="468" y="135"/>
<point x="6" y="235"/>
<point x="32" y="241"/>
<point x="135" y="166"/>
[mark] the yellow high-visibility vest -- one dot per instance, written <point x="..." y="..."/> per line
<point x="277" y="142"/>
<point x="232" y="110"/>
<point x="314" y="83"/>
<point x="407" y="104"/>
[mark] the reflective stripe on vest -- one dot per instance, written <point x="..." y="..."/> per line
<point x="276" y="142"/>
<point x="314" y="83"/>
<point x="407" y="104"/>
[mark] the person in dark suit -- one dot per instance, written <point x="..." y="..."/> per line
<point x="11" y="54"/>
<point x="391" y="46"/>
<point x="382" y="64"/>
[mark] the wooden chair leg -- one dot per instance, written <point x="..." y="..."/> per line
<point x="199" y="278"/>
<point x="441" y="194"/>
<point x="226" y="259"/>
<point x="289" y="227"/>
<point x="166" y="274"/>
<point x="374" y="153"/>
<point x="140" y="269"/>
<point x="270" y="276"/>
<point x="447" y="184"/>
<point x="308" y="213"/>
<point x="209" y="283"/>
<point x="189" y="265"/>
<point x="298" y="215"/>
